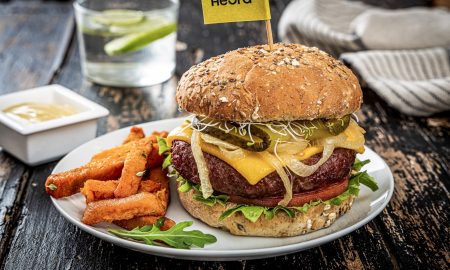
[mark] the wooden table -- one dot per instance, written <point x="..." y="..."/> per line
<point x="38" y="47"/>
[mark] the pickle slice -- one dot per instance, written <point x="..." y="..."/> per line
<point x="265" y="137"/>
<point x="230" y="132"/>
<point x="320" y="128"/>
<point x="336" y="126"/>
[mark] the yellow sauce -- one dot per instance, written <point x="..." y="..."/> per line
<point x="39" y="112"/>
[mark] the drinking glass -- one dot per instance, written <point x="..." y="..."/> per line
<point x="127" y="43"/>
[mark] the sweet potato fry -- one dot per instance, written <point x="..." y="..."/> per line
<point x="142" y="221"/>
<point x="135" y="134"/>
<point x="121" y="151"/>
<point x="160" y="176"/>
<point x="68" y="183"/>
<point x="141" y="204"/>
<point x="133" y="169"/>
<point x="154" y="160"/>
<point x="105" y="165"/>
<point x="95" y="190"/>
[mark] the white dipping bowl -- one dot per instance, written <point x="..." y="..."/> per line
<point x="37" y="143"/>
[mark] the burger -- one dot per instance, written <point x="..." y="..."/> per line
<point x="270" y="146"/>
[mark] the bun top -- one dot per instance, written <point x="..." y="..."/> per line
<point x="253" y="84"/>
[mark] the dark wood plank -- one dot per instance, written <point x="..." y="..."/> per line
<point x="13" y="178"/>
<point x="40" y="36"/>
<point x="417" y="217"/>
<point x="33" y="41"/>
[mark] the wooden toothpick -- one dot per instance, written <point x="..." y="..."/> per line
<point x="269" y="34"/>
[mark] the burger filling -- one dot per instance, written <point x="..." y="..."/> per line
<point x="268" y="167"/>
<point x="335" y="169"/>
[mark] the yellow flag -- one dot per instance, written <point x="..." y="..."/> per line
<point x="222" y="11"/>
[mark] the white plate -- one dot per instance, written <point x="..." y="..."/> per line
<point x="228" y="247"/>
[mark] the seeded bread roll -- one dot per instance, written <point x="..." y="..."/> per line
<point x="281" y="225"/>
<point x="254" y="84"/>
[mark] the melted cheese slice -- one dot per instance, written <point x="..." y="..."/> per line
<point x="251" y="166"/>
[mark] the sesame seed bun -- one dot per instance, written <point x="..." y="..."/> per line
<point x="281" y="225"/>
<point x="254" y="84"/>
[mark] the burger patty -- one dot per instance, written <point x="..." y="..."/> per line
<point x="225" y="179"/>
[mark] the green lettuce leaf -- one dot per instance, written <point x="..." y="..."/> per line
<point x="253" y="213"/>
<point x="167" y="161"/>
<point x="269" y="213"/>
<point x="162" y="144"/>
<point x="184" y="185"/>
<point x="305" y="207"/>
<point x="212" y="200"/>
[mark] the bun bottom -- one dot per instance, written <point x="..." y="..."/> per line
<point x="281" y="225"/>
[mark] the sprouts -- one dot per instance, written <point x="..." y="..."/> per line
<point x="296" y="130"/>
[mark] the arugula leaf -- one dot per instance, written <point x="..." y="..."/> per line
<point x="159" y="222"/>
<point x="367" y="180"/>
<point x="357" y="166"/>
<point x="175" y="237"/>
<point x="162" y="144"/>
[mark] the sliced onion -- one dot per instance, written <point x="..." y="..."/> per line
<point x="304" y="170"/>
<point x="230" y="150"/>
<point x="232" y="154"/>
<point x="291" y="148"/>
<point x="202" y="168"/>
<point x="271" y="159"/>
<point x="213" y="140"/>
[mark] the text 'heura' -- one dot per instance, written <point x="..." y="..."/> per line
<point x="230" y="2"/>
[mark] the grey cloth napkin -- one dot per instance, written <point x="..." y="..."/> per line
<point x="414" y="82"/>
<point x="385" y="47"/>
<point x="412" y="28"/>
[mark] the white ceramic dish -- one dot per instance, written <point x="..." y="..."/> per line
<point x="228" y="247"/>
<point x="36" y="143"/>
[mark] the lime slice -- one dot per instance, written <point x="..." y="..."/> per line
<point x="120" y="17"/>
<point x="136" y="41"/>
<point x="143" y="26"/>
